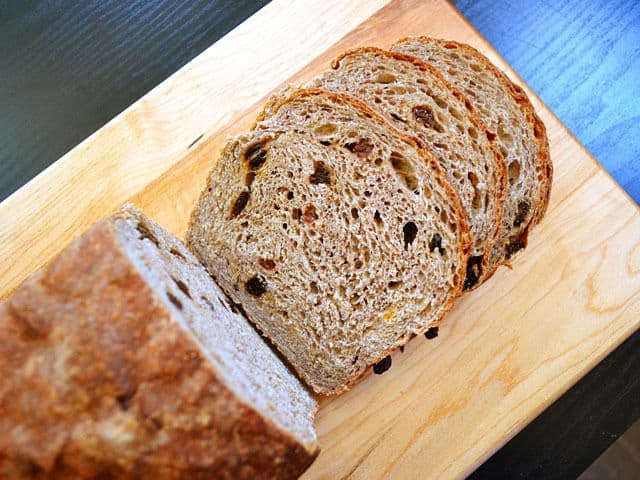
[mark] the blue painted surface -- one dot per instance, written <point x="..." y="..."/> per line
<point x="583" y="59"/>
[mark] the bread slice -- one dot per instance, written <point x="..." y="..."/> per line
<point x="122" y="359"/>
<point x="337" y="234"/>
<point x="419" y="101"/>
<point x="507" y="111"/>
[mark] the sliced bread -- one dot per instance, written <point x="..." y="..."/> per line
<point x="419" y="101"/>
<point x="122" y="359"/>
<point x="338" y="235"/>
<point x="507" y="111"/>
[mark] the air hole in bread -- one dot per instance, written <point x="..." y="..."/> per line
<point x="443" y="216"/>
<point x="377" y="218"/>
<point x="326" y="129"/>
<point x="450" y="46"/>
<point x="313" y="286"/>
<point x="256" y="155"/>
<point x="538" y="130"/>
<point x="249" y="177"/>
<point x="182" y="286"/>
<point x="361" y="148"/>
<point x="514" y="171"/>
<point x="397" y="118"/>
<point x="321" y="173"/>
<point x="476" y="202"/>
<point x="394" y="284"/>
<point x="378" y="162"/>
<point x="354" y="213"/>
<point x="285" y="226"/>
<point x="239" y="204"/>
<point x="173" y="299"/>
<point x="256" y="286"/>
<point x="377" y="100"/>
<point x="455" y="113"/>
<point x="326" y="143"/>
<point x="385" y="77"/>
<point x="177" y="253"/>
<point x="410" y="231"/>
<point x="146" y="233"/>
<point x="505" y="136"/>
<point x="473" y="178"/>
<point x="367" y="193"/>
<point x="435" y="242"/>
<point x="296" y="213"/>
<point x="358" y="264"/>
<point x="124" y="400"/>
<point x="441" y="146"/>
<point x="405" y="170"/>
<point x="289" y="195"/>
<point x="473" y="133"/>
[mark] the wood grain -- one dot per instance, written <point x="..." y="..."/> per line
<point x="578" y="427"/>
<point x="505" y="352"/>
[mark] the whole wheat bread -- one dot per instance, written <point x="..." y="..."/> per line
<point x="337" y="234"/>
<point x="507" y="111"/>
<point x="419" y="101"/>
<point x="122" y="359"/>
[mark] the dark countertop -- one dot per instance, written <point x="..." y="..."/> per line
<point x="72" y="65"/>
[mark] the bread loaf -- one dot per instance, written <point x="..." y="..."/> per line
<point x="507" y="111"/>
<point x="337" y="234"/>
<point x="122" y="359"/>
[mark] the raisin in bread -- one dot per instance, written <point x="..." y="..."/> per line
<point x="122" y="359"/>
<point x="507" y="111"/>
<point x="420" y="102"/>
<point x="338" y="235"/>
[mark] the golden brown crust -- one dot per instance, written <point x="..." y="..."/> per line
<point x="463" y="233"/>
<point x="501" y="175"/>
<point x="98" y="380"/>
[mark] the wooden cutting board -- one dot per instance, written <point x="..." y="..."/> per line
<point x="504" y="353"/>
